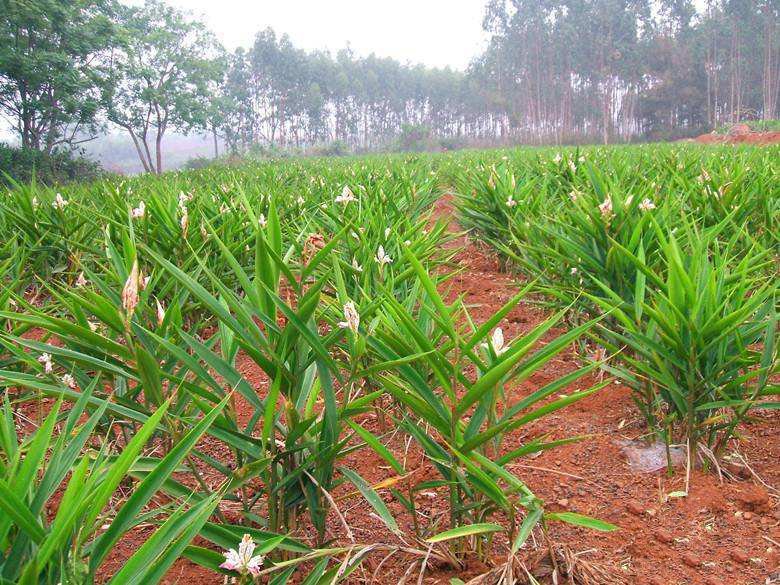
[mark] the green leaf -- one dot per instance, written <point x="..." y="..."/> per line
<point x="19" y="513"/>
<point x="580" y="520"/>
<point x="372" y="498"/>
<point x="147" y="488"/>
<point x="380" y="449"/>
<point x="461" y="531"/>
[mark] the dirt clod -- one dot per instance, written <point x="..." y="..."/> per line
<point x="739" y="556"/>
<point x="663" y="536"/>
<point x="753" y="498"/>
<point x="635" y="508"/>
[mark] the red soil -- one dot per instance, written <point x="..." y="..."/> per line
<point x="725" y="531"/>
<point x="759" y="138"/>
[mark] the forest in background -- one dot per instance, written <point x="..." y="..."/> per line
<point x="554" y="71"/>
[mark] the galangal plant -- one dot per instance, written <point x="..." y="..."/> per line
<point x="64" y="461"/>
<point x="461" y="421"/>
<point x="282" y="339"/>
<point x="699" y="342"/>
<point x="284" y="442"/>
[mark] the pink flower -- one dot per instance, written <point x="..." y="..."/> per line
<point x="45" y="359"/>
<point x="646" y="205"/>
<point x="242" y="560"/>
<point x="139" y="211"/>
<point x="59" y="202"/>
<point x="606" y="209"/>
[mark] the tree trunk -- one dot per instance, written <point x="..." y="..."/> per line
<point x="158" y="148"/>
<point x="138" y="149"/>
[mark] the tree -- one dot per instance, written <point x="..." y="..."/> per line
<point x="165" y="75"/>
<point x="55" y="68"/>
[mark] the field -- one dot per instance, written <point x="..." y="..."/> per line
<point x="508" y="366"/>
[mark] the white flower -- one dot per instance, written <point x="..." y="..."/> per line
<point x="574" y="270"/>
<point x="407" y="242"/>
<point x="387" y="232"/>
<point x="646" y="205"/>
<point x="81" y="281"/>
<point x="497" y="341"/>
<point x="262" y="221"/>
<point x="381" y="257"/>
<point x="510" y="202"/>
<point x="45" y="359"/>
<point x="346" y="196"/>
<point x="558" y="158"/>
<point x="35" y="202"/>
<point x="139" y="211"/>
<point x="130" y="291"/>
<point x="606" y="209"/>
<point x="59" y="202"/>
<point x="572" y="166"/>
<point x="356" y="266"/>
<point x="68" y="380"/>
<point x="185" y="220"/>
<point x="242" y="560"/>
<point x="574" y="194"/>
<point x="160" y="313"/>
<point x="300" y="201"/>
<point x="351" y="317"/>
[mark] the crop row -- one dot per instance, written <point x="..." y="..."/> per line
<point x="226" y="341"/>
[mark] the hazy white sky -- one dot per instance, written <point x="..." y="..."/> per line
<point x="433" y="32"/>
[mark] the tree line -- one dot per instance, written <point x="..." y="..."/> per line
<point x="553" y="71"/>
<point x="619" y="69"/>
